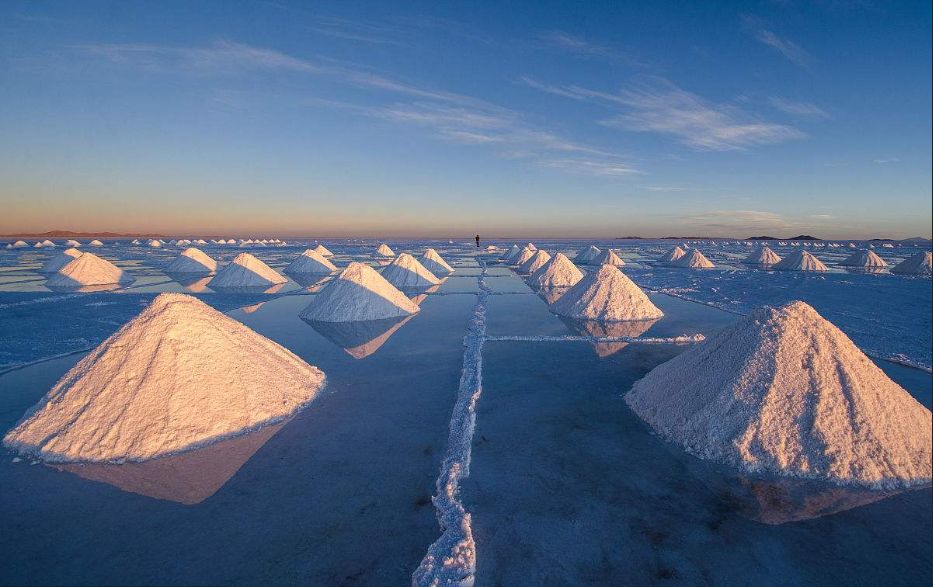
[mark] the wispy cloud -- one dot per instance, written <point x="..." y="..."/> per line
<point x="351" y="30"/>
<point x="583" y="48"/>
<point x="786" y="47"/>
<point x="887" y="160"/>
<point x="805" y="109"/>
<point x="663" y="188"/>
<point x="738" y="220"/>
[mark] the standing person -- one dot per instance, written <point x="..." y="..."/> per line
<point x="477" y="241"/>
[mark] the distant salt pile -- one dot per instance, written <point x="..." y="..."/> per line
<point x="179" y="376"/>
<point x="200" y="241"/>
<point x="95" y="243"/>
<point x="693" y="259"/>
<point x="385" y="250"/>
<point x="606" y="295"/>
<point x="358" y="293"/>
<point x="49" y="244"/>
<point x="607" y="257"/>
<point x="323" y="251"/>
<point x="192" y="261"/>
<point x="88" y="269"/>
<point x="406" y="271"/>
<point x="18" y="245"/>
<point x="763" y="256"/>
<point x="59" y="261"/>
<point x="783" y="391"/>
<point x="310" y="262"/>
<point x="434" y="263"/>
<point x="800" y="260"/>
<point x="671" y="256"/>
<point x="558" y="272"/>
<point x="246" y="271"/>
<point x="135" y="241"/>
<point x="522" y="256"/>
<point x="155" y="243"/>
<point x="72" y="243"/>
<point x="918" y="264"/>
<point x="587" y="254"/>
<point x="535" y="262"/>
<point x="865" y="259"/>
<point x="512" y="253"/>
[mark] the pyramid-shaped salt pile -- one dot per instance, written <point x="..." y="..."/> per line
<point x="558" y="272"/>
<point x="95" y="243"/>
<point x="192" y="261"/>
<point x="385" y="250"/>
<point x="607" y="257"/>
<point x="178" y="376"/>
<point x="800" y="260"/>
<point x="522" y="256"/>
<point x="88" y="269"/>
<point x="18" y="245"/>
<point x="512" y="253"/>
<point x="434" y="263"/>
<point x="531" y="247"/>
<point x="693" y="259"/>
<point x="155" y="243"/>
<point x="607" y="295"/>
<point x="587" y="254"/>
<point x="406" y="271"/>
<point x="864" y="259"/>
<point x="671" y="256"/>
<point x="784" y="391"/>
<point x="48" y="243"/>
<point x="323" y="251"/>
<point x="763" y="256"/>
<point x="918" y="264"/>
<point x="311" y="262"/>
<point x="59" y="261"/>
<point x="72" y="243"/>
<point x="358" y="293"/>
<point x="535" y="262"/>
<point x="246" y="271"/>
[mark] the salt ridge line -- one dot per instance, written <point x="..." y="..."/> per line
<point x="451" y="559"/>
<point x="683" y="339"/>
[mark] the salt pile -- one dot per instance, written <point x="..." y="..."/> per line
<point x="531" y="247"/>
<point x="800" y="260"/>
<point x="17" y="245"/>
<point x="763" y="256"/>
<point x="522" y="256"/>
<point x="607" y="257"/>
<point x="358" y="293"/>
<point x="918" y="264"/>
<point x="865" y="259"/>
<point x="558" y="272"/>
<point x="95" y="243"/>
<point x="310" y="262"/>
<point x="135" y="241"/>
<point x="672" y="255"/>
<point x="693" y="259"/>
<point x="406" y="271"/>
<point x="47" y="243"/>
<point x="177" y="377"/>
<point x="587" y="254"/>
<point x="192" y="261"/>
<point x="72" y="243"/>
<point x="385" y="251"/>
<point x="511" y="253"/>
<point x="535" y="262"/>
<point x="155" y="243"/>
<point x="607" y="295"/>
<point x="434" y="263"/>
<point x="246" y="271"/>
<point x="784" y="391"/>
<point x="323" y="251"/>
<point x="88" y="269"/>
<point x="59" y="261"/>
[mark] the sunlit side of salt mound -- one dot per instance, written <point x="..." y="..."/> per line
<point x="522" y="256"/>
<point x="177" y="377"/>
<point x="693" y="259"/>
<point x="535" y="262"/>
<point x="672" y="255"/>
<point x="607" y="257"/>
<point x="763" y="256"/>
<point x="96" y="243"/>
<point x="385" y="250"/>
<point x="607" y="295"/>
<point x="434" y="263"/>
<point x="918" y="264"/>
<point x="192" y="261"/>
<point x="310" y="262"/>
<point x="59" y="261"/>
<point x="323" y="251"/>
<point x="246" y="271"/>
<point x="800" y="260"/>
<point x="783" y="391"/>
<point x="406" y="271"/>
<point x="865" y="259"/>
<point x="358" y="293"/>
<point x="155" y="243"/>
<point x="86" y="270"/>
<point x="559" y="271"/>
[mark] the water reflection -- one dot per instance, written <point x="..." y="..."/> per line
<point x="419" y="295"/>
<point x="192" y="284"/>
<point x="607" y="330"/>
<point x="249" y="289"/>
<point x="359" y="339"/>
<point x="83" y="288"/>
<point x="312" y="283"/>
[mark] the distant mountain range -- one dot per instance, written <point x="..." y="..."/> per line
<point x="801" y="237"/>
<point x="72" y="234"/>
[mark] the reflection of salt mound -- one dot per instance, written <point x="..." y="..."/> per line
<point x="763" y="256"/>
<point x="608" y="330"/>
<point x="784" y="391"/>
<point x="587" y="254"/>
<point x="358" y="293"/>
<point x="608" y="295"/>
<point x="672" y="255"/>
<point x="359" y="339"/>
<point x="800" y="261"/>
<point x="88" y="269"/>
<point x="310" y="262"/>
<point x="434" y="263"/>
<point x="192" y="261"/>
<point x="522" y="256"/>
<point x="535" y="262"/>
<point x="919" y="264"/>
<point x="59" y="261"/>
<point x="246" y="271"/>
<point x="192" y="283"/>
<point x="693" y="259"/>
<point x="178" y="376"/>
<point x="406" y="271"/>
<point x="96" y="243"/>
<point x="323" y="251"/>
<point x="558" y="272"/>
<point x="385" y="251"/>
<point x="512" y="253"/>
<point x="607" y="257"/>
<point x="865" y="259"/>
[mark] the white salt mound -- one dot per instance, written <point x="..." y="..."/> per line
<point x="511" y="253"/>
<point x="693" y="259"/>
<point x="800" y="260"/>
<point x="763" y="256"/>
<point x="672" y="255"/>
<point x="406" y="271"/>
<point x="535" y="262"/>
<point x="95" y="243"/>
<point x="385" y="251"/>
<point x="20" y="244"/>
<point x="358" y="293"/>
<point x="531" y="246"/>
<point x="88" y="269"/>
<point x="558" y="272"/>
<point x="783" y="391"/>
<point x="48" y="243"/>
<point x="918" y="264"/>
<point x="177" y="377"/>
<point x="607" y="257"/>
<point x="587" y="254"/>
<point x="246" y="271"/>
<point x="323" y="251"/>
<point x="72" y="243"/>
<point x="434" y="263"/>
<point x="310" y="262"/>
<point x="59" y="261"/>
<point x="155" y="243"/>
<point x="522" y="256"/>
<point x="865" y="258"/>
<point x="607" y="295"/>
<point x="192" y="261"/>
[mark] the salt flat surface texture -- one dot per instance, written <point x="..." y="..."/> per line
<point x="59" y="261"/>
<point x="88" y="269"/>
<point x="558" y="272"/>
<point x="358" y="293"/>
<point x="608" y="295"/>
<point x="310" y="262"/>
<point x="192" y="261"/>
<point x="436" y="264"/>
<point x="406" y="271"/>
<point x="246" y="271"/>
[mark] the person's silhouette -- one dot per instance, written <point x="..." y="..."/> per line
<point x="477" y="241"/>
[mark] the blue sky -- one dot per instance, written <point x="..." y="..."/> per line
<point x="436" y="119"/>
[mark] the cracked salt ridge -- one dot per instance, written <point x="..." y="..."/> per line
<point x="451" y="559"/>
<point x="683" y="339"/>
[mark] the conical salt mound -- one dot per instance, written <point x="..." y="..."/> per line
<point x="587" y="254"/>
<point x="784" y="391"/>
<point x="177" y="377"/>
<point x="558" y="272"/>
<point x="385" y="251"/>
<point x="434" y="263"/>
<point x="866" y="259"/>
<point x="59" y="261"/>
<point x="522" y="256"/>
<point x="246" y="271"/>
<point x="96" y="243"/>
<point x="918" y="264"/>
<point x="607" y="257"/>
<point x="531" y="246"/>
<point x="800" y="260"/>
<point x="672" y="255"/>
<point x="763" y="256"/>
<point x="606" y="295"/>
<point x="406" y="271"/>
<point x="358" y="293"/>
<point x="512" y="253"/>
<point x="88" y="269"/>
<point x="693" y="259"/>
<point x="311" y="262"/>
<point x="155" y="243"/>
<point x="323" y="251"/>
<point x="192" y="261"/>
<point x="534" y="262"/>
<point x="72" y="243"/>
